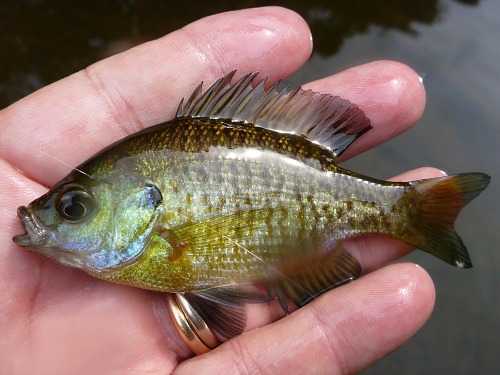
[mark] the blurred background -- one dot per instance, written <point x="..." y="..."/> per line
<point x="453" y="45"/>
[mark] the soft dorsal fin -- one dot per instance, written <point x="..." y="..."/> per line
<point x="328" y="120"/>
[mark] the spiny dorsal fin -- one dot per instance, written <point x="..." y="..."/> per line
<point x="324" y="119"/>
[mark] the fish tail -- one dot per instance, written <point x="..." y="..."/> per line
<point x="433" y="206"/>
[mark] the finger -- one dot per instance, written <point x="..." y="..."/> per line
<point x="342" y="332"/>
<point x="79" y="115"/>
<point x="391" y="94"/>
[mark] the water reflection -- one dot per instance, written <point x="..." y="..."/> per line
<point x="43" y="41"/>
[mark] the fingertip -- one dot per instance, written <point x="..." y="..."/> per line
<point x="390" y="93"/>
<point x="411" y="289"/>
<point x="390" y="306"/>
<point x="250" y="40"/>
<point x="280" y="35"/>
<point x="426" y="287"/>
<point x="407" y="97"/>
<point x="373" y="316"/>
<point x="395" y="100"/>
<point x="411" y="294"/>
<point x="402" y="293"/>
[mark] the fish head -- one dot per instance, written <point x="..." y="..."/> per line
<point x="90" y="224"/>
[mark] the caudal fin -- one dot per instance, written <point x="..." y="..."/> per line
<point x="433" y="206"/>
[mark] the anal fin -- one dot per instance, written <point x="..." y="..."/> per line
<point x="338" y="268"/>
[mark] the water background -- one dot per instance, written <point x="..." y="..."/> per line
<point x="453" y="45"/>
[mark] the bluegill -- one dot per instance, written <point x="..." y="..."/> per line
<point x="241" y="188"/>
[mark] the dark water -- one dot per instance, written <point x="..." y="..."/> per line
<point x="452" y="44"/>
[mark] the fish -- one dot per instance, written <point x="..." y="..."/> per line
<point x="240" y="199"/>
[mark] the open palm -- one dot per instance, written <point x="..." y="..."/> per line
<point x="58" y="320"/>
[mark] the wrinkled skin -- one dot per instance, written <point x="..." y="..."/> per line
<point x="56" y="319"/>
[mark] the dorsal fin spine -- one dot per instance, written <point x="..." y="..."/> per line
<point x="222" y="97"/>
<point x="213" y="92"/>
<point x="273" y="106"/>
<point x="240" y="91"/>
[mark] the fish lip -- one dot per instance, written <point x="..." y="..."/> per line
<point x="35" y="234"/>
<point x="40" y="240"/>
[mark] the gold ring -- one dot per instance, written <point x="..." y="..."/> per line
<point x="193" y="330"/>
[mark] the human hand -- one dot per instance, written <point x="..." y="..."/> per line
<point x="58" y="320"/>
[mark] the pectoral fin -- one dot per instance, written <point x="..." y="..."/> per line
<point x="221" y="231"/>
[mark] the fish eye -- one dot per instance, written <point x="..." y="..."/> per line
<point x="75" y="203"/>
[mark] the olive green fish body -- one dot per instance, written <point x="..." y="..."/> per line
<point x="260" y="202"/>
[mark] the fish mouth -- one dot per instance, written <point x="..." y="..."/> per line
<point x="35" y="235"/>
<point x="40" y="240"/>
